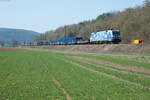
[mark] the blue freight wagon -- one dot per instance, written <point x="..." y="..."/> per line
<point x="53" y="42"/>
<point x="69" y="40"/>
<point x="110" y="36"/>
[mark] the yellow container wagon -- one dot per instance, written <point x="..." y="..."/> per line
<point x="138" y="42"/>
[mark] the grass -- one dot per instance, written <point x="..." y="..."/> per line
<point x="136" y="59"/>
<point x="129" y="77"/>
<point x="23" y="77"/>
<point x="116" y="60"/>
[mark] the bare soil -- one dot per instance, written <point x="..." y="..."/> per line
<point x="101" y="48"/>
<point x="108" y="68"/>
<point x="13" y="49"/>
<point x="132" y="68"/>
<point x="137" y="59"/>
<point x="107" y="75"/>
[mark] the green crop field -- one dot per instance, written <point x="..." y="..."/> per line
<point x="45" y="75"/>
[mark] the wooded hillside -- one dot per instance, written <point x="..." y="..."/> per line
<point x="7" y="35"/>
<point x="134" y="23"/>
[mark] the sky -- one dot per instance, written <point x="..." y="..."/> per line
<point x="44" y="15"/>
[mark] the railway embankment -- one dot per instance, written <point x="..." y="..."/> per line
<point x="105" y="48"/>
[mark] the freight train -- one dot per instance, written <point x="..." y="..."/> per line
<point x="102" y="37"/>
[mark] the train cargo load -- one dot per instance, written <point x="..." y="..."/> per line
<point x="138" y="42"/>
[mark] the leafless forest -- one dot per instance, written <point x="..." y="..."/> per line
<point x="134" y="23"/>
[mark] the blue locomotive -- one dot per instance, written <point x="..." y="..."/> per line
<point x="110" y="36"/>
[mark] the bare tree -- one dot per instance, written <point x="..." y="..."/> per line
<point x="2" y="43"/>
<point x="14" y="43"/>
<point x="147" y="3"/>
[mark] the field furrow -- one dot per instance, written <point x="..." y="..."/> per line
<point x="58" y="84"/>
<point x="108" y="67"/>
<point x="24" y="78"/>
<point x="122" y="62"/>
<point x="44" y="75"/>
<point x="107" y="75"/>
<point x="131" y="68"/>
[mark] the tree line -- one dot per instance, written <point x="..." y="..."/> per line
<point x="133" y="23"/>
<point x="13" y="43"/>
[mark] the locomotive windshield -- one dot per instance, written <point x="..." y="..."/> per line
<point x="116" y="34"/>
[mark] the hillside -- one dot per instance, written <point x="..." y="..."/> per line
<point x="133" y="23"/>
<point x="21" y="35"/>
